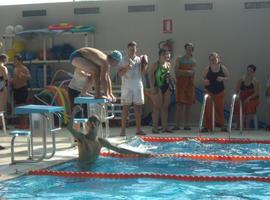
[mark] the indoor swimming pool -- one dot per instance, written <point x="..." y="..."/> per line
<point x="54" y="187"/>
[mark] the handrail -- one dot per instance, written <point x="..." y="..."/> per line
<point x="105" y="118"/>
<point x="59" y="123"/>
<point x="206" y="96"/>
<point x="52" y="131"/>
<point x="234" y="98"/>
<point x="112" y="111"/>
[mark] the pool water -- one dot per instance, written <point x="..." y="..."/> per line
<point x="45" y="187"/>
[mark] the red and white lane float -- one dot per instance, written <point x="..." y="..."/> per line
<point x="189" y="178"/>
<point x="204" y="140"/>
<point x="232" y="158"/>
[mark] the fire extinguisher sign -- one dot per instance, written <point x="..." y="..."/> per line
<point x="167" y="25"/>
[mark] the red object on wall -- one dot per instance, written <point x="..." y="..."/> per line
<point x="167" y="25"/>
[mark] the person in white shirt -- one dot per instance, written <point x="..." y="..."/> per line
<point x="132" y="92"/>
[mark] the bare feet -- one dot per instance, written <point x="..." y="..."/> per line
<point x="113" y="98"/>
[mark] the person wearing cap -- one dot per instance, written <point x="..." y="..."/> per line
<point x="247" y="88"/>
<point x="89" y="145"/>
<point x="131" y="71"/>
<point x="21" y="76"/>
<point x="95" y="62"/>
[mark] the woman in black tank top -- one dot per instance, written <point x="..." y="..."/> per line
<point x="214" y="76"/>
<point x="215" y="86"/>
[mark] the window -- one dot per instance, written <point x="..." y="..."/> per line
<point x="17" y="2"/>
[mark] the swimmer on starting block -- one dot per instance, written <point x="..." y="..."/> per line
<point x="89" y="145"/>
<point x="96" y="63"/>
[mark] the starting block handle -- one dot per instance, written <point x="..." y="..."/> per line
<point x="112" y="111"/>
<point x="59" y="122"/>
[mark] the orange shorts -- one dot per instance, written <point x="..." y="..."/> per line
<point x="249" y="108"/>
<point x="185" y="90"/>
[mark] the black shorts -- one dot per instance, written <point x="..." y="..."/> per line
<point x="20" y="95"/>
<point x="72" y="94"/>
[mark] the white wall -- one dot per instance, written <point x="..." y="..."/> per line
<point x="239" y="35"/>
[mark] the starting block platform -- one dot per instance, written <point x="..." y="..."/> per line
<point x="100" y="108"/>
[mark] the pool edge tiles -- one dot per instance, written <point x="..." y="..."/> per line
<point x="8" y="171"/>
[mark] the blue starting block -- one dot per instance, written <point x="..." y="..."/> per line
<point x="100" y="108"/>
<point x="41" y="121"/>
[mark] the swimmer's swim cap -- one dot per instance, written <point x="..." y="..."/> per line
<point x="116" y="55"/>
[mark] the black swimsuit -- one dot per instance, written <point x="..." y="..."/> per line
<point x="215" y="86"/>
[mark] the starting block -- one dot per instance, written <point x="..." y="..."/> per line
<point x="15" y="134"/>
<point x="98" y="107"/>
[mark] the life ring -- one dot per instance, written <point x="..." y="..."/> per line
<point x="56" y="98"/>
<point x="60" y="100"/>
<point x="64" y="104"/>
<point x="61" y="26"/>
<point x="82" y="29"/>
<point x="67" y="100"/>
<point x="47" y="96"/>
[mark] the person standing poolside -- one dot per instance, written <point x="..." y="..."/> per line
<point x="159" y="75"/>
<point x="185" y="86"/>
<point x="132" y="86"/>
<point x="21" y="76"/>
<point x="95" y="62"/>
<point x="248" y="90"/>
<point x="3" y="86"/>
<point x="89" y="145"/>
<point x="214" y="77"/>
<point x="267" y="94"/>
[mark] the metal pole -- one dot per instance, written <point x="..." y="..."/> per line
<point x="213" y="113"/>
<point x="202" y="112"/>
<point x="241" y="117"/>
<point x="234" y="97"/>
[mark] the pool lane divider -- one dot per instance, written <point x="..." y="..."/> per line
<point x="232" y="158"/>
<point x="177" y="177"/>
<point x="203" y="140"/>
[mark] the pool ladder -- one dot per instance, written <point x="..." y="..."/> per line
<point x="229" y="125"/>
<point x="234" y="98"/>
<point x="207" y="96"/>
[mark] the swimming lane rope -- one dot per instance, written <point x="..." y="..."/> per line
<point x="148" y="175"/>
<point x="233" y="158"/>
<point x="203" y="140"/>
